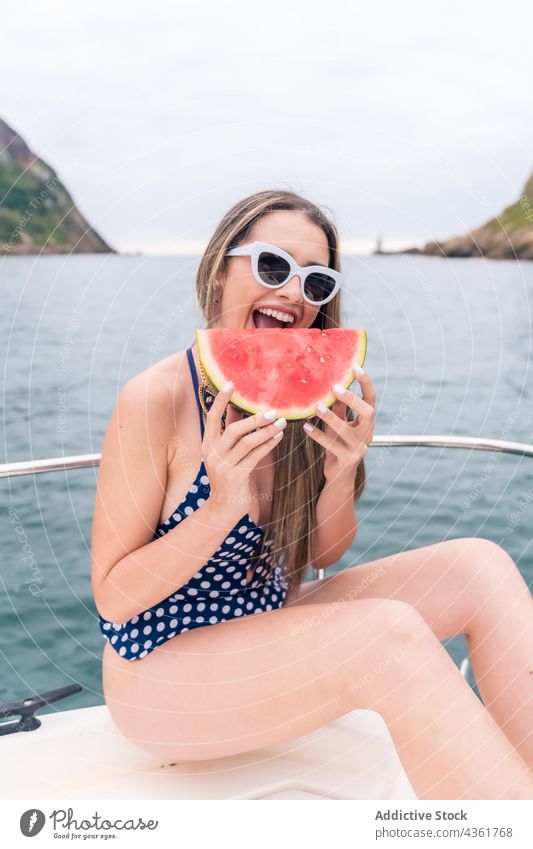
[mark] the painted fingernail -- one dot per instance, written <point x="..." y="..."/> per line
<point x="227" y="386"/>
<point x="280" y="422"/>
<point x="270" y="414"/>
<point x="277" y="435"/>
<point x="320" y="406"/>
<point x="308" y="427"/>
<point x="358" y="369"/>
<point x="338" y="388"/>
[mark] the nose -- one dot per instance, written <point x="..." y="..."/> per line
<point x="293" y="289"/>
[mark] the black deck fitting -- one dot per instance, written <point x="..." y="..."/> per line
<point x="26" y="708"/>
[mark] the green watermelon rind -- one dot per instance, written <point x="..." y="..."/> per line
<point x="217" y="379"/>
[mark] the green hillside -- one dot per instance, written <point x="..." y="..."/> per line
<point x="519" y="214"/>
<point x="507" y="236"/>
<point x="37" y="213"/>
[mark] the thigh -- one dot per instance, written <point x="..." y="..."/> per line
<point x="242" y="684"/>
<point x="442" y="581"/>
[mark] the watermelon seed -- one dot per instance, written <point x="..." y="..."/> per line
<point x="322" y="360"/>
<point x="303" y="380"/>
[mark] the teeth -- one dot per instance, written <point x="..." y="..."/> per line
<point x="283" y="316"/>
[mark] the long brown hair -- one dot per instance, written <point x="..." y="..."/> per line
<point x="299" y="460"/>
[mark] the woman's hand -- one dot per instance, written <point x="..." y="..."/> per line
<point x="346" y="443"/>
<point x="231" y="455"/>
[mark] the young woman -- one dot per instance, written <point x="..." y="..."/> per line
<point x="189" y="670"/>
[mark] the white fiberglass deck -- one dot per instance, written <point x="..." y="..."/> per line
<point x="81" y="754"/>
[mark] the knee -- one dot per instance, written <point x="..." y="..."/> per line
<point x="399" y="624"/>
<point x="399" y="643"/>
<point x="478" y="557"/>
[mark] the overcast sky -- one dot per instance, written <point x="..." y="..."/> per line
<point x="409" y="119"/>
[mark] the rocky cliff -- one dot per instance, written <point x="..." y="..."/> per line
<point x="509" y="236"/>
<point x="37" y="213"/>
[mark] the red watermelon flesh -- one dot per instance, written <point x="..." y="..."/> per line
<point x="288" y="369"/>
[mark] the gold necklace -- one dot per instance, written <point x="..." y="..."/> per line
<point x="206" y="389"/>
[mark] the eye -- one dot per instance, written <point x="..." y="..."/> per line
<point x="319" y="286"/>
<point x="272" y="269"/>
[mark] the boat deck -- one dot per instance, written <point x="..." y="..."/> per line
<point x="81" y="754"/>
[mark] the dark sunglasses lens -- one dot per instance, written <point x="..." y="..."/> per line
<point x="317" y="287"/>
<point x="272" y="269"/>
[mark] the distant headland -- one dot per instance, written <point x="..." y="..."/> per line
<point x="37" y="213"/>
<point x="508" y="236"/>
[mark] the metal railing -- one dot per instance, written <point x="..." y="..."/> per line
<point x="84" y="461"/>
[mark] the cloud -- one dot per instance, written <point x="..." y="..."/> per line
<point x="159" y="117"/>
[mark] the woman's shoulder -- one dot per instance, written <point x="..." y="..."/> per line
<point x="159" y="389"/>
<point x="165" y="376"/>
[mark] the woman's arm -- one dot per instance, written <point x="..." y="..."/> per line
<point x="130" y="570"/>
<point x="156" y="570"/>
<point x="336" y="521"/>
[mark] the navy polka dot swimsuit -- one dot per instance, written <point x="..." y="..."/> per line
<point x="220" y="590"/>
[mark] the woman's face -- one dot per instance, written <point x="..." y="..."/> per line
<point x="242" y="294"/>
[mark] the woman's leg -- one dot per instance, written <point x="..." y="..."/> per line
<point x="246" y="683"/>
<point x="462" y="586"/>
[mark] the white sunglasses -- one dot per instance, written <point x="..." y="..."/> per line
<point x="273" y="267"/>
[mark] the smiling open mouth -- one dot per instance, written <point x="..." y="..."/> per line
<point x="271" y="318"/>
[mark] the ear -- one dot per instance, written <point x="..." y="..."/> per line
<point x="219" y="286"/>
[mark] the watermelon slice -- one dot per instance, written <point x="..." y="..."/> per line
<point x="287" y="369"/>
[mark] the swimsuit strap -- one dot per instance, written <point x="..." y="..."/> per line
<point x="195" y="384"/>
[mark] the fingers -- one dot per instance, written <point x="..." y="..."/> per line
<point x="343" y="429"/>
<point x="364" y="411"/>
<point x="332" y="418"/>
<point x="242" y="434"/>
<point x="255" y="439"/>
<point x="367" y="387"/>
<point x="213" y="423"/>
<point x="245" y="426"/>
<point x="251" y="459"/>
<point x="233" y="415"/>
<point x="352" y="450"/>
<point x="339" y="409"/>
<point x="363" y="407"/>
